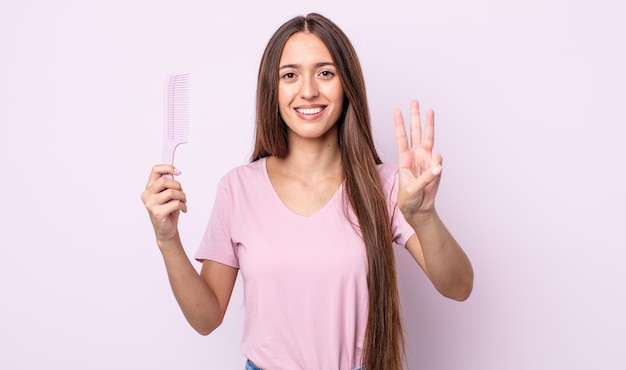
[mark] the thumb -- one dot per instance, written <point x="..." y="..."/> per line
<point x="424" y="179"/>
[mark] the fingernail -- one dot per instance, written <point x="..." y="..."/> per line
<point x="437" y="170"/>
<point x="177" y="171"/>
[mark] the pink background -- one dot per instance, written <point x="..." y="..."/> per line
<point x="529" y="97"/>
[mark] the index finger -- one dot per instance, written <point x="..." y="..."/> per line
<point x="162" y="170"/>
<point x="429" y="131"/>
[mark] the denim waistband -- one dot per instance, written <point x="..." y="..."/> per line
<point x="251" y="366"/>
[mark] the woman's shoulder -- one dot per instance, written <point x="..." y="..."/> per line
<point x="245" y="172"/>
<point x="388" y="172"/>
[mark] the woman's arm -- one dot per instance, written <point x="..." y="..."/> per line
<point x="202" y="297"/>
<point x="434" y="248"/>
<point x="419" y="173"/>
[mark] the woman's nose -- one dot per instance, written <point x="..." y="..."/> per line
<point x="308" y="88"/>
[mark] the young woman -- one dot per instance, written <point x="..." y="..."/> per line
<point x="311" y="220"/>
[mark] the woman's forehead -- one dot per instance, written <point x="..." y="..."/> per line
<point x="305" y="48"/>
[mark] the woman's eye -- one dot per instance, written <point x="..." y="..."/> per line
<point x="327" y="73"/>
<point x="289" y="75"/>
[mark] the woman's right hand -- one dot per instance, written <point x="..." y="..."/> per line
<point x="164" y="199"/>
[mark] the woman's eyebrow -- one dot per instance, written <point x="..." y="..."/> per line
<point x="317" y="65"/>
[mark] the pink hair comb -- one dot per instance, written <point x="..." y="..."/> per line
<point x="176" y="115"/>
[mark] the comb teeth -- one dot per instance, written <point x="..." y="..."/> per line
<point x="178" y="90"/>
<point x="176" y="115"/>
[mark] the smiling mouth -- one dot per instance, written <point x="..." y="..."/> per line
<point x="309" y="111"/>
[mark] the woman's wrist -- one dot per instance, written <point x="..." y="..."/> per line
<point x="169" y="245"/>
<point x="419" y="220"/>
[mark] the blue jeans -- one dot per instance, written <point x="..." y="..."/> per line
<point x="251" y="366"/>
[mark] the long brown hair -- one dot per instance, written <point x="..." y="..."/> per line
<point x="384" y="345"/>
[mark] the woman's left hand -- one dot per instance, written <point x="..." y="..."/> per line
<point x="419" y="168"/>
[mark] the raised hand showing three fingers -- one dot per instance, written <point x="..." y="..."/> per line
<point x="419" y="168"/>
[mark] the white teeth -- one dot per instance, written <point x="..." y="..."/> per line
<point x="309" y="110"/>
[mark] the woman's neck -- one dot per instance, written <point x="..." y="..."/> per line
<point x="308" y="158"/>
<point x="305" y="163"/>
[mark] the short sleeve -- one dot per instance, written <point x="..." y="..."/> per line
<point x="216" y="244"/>
<point x="401" y="231"/>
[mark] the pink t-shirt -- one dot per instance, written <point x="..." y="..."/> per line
<point x="304" y="278"/>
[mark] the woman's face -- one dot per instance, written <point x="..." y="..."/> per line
<point x="310" y="96"/>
